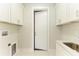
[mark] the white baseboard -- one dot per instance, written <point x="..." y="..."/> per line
<point x="26" y="49"/>
<point x="30" y="49"/>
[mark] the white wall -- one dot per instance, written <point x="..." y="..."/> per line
<point x="70" y="31"/>
<point x="25" y="36"/>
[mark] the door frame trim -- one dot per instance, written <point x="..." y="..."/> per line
<point x="34" y="9"/>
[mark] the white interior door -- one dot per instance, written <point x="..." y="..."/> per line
<point x="41" y="32"/>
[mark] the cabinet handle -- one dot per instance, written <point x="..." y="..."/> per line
<point x="9" y="44"/>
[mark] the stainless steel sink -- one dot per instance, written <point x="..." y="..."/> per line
<point x="72" y="45"/>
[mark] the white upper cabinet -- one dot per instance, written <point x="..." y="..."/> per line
<point x="17" y="14"/>
<point x="4" y="12"/>
<point x="74" y="12"/>
<point x="20" y="14"/>
<point x="60" y="13"/>
<point x="11" y="13"/>
<point x="66" y="13"/>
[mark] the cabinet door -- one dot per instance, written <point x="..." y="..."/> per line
<point x="74" y="12"/>
<point x="20" y="14"/>
<point x="61" y="13"/>
<point x="60" y="51"/>
<point x="5" y="12"/>
<point x="58" y="16"/>
<point x="17" y="13"/>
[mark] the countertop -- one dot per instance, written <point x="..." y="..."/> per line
<point x="68" y="49"/>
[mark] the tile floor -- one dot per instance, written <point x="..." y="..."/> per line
<point x="36" y="53"/>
